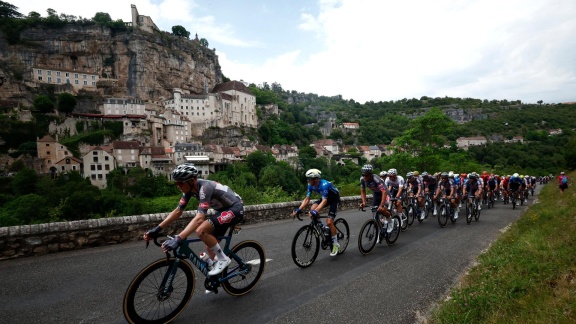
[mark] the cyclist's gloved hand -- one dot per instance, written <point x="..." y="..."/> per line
<point x="314" y="213"/>
<point x="172" y="244"/>
<point x="153" y="233"/>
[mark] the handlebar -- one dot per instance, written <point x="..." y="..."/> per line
<point x="301" y="212"/>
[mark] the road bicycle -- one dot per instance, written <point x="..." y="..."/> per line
<point x="309" y="238"/>
<point x="491" y="199"/>
<point x="374" y="230"/>
<point x="160" y="292"/>
<point x="413" y="210"/>
<point x="513" y="198"/>
<point x="429" y="203"/>
<point x="472" y="210"/>
<point x="446" y="211"/>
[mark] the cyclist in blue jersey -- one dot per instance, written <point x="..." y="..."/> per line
<point x="210" y="194"/>
<point x="330" y="196"/>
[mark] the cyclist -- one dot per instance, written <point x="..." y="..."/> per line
<point x="447" y="188"/>
<point x="473" y="188"/>
<point x="492" y="186"/>
<point x="514" y="185"/>
<point x="384" y="175"/>
<point x="330" y="196"/>
<point x="562" y="184"/>
<point x="415" y="189"/>
<point x="430" y="185"/>
<point x="227" y="204"/>
<point x="395" y="185"/>
<point x="379" y="193"/>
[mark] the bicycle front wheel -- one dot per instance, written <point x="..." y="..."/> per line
<point x="305" y="246"/>
<point x="477" y="214"/>
<point x="248" y="263"/>
<point x="343" y="232"/>
<point x="403" y="220"/>
<point x="469" y="215"/>
<point x="443" y="216"/>
<point x="411" y="213"/>
<point x="145" y="300"/>
<point x="393" y="236"/>
<point x="367" y="237"/>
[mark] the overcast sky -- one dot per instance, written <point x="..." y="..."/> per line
<point x="375" y="50"/>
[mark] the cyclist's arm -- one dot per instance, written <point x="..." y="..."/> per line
<point x="304" y="203"/>
<point x="323" y="203"/>
<point x="363" y="195"/>
<point x="174" y="215"/>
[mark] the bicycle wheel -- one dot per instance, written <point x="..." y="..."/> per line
<point x="403" y="220"/>
<point x="469" y="211"/>
<point x="442" y="216"/>
<point x="411" y="214"/>
<point x="451" y="212"/>
<point x="477" y="213"/>
<point x="419" y="213"/>
<point x="343" y="232"/>
<point x="367" y="237"/>
<point x="513" y="202"/>
<point x="428" y="207"/>
<point x="490" y="202"/>
<point x="305" y="246"/>
<point x="254" y="259"/>
<point x="145" y="301"/>
<point x="393" y="236"/>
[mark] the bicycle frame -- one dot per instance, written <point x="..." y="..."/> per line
<point x="185" y="252"/>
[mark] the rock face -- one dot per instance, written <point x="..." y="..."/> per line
<point x="130" y="63"/>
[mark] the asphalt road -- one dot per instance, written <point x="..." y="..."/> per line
<point x="397" y="284"/>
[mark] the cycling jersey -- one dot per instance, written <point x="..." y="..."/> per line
<point x="394" y="185"/>
<point x="446" y="186"/>
<point x="211" y="194"/>
<point x="431" y="184"/>
<point x="375" y="184"/>
<point x="325" y="189"/>
<point x="472" y="187"/>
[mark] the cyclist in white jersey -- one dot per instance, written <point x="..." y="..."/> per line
<point x="395" y="185"/>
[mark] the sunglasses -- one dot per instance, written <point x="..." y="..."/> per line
<point x="310" y="179"/>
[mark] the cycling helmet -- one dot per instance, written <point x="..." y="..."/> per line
<point x="367" y="169"/>
<point x="313" y="173"/>
<point x="424" y="174"/>
<point x="484" y="172"/>
<point x="409" y="174"/>
<point x="392" y="172"/>
<point x="473" y="175"/>
<point x="184" y="172"/>
<point x="456" y="175"/>
<point x="522" y="177"/>
<point x="515" y="175"/>
<point x="416" y="173"/>
<point x="383" y="174"/>
<point x="444" y="175"/>
<point x="464" y="175"/>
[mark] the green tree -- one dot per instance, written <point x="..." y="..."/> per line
<point x="24" y="182"/>
<point x="43" y="104"/>
<point x="8" y="10"/>
<point x="180" y="31"/>
<point x="257" y="160"/>
<point x="204" y="42"/>
<point x="66" y="102"/>
<point x="427" y="130"/>
<point x="102" y="17"/>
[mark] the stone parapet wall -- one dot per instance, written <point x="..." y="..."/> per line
<point x="38" y="239"/>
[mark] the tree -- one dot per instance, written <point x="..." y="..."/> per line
<point x="8" y="10"/>
<point x="102" y="17"/>
<point x="258" y="160"/>
<point x="43" y="104"/>
<point x="24" y="182"/>
<point x="66" y="103"/>
<point x="180" y="31"/>
<point x="539" y="102"/>
<point x="204" y="42"/>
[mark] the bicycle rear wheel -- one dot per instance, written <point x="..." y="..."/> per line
<point x="443" y="216"/>
<point x="367" y="237"/>
<point x="343" y="232"/>
<point x="477" y="213"/>
<point x="403" y="220"/>
<point x="428" y="207"/>
<point x="305" y="246"/>
<point x="393" y="236"/>
<point x="251" y="253"/>
<point x="145" y="301"/>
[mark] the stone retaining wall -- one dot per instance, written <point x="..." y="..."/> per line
<point x="29" y="240"/>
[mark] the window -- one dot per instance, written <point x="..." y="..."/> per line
<point x="93" y="84"/>
<point x="67" y="74"/>
<point x="58" y="80"/>
<point x="93" y="167"/>
<point x="95" y="160"/>
<point x="49" y="72"/>
<point x="85" y="82"/>
<point x="47" y="152"/>
<point x="57" y="73"/>
<point x="106" y="158"/>
<point x="99" y="166"/>
<point x="83" y="76"/>
<point x="93" y="77"/>
<point x="76" y="82"/>
<point x="39" y="78"/>
<point x="93" y="177"/>
<point x="107" y="167"/>
<point x="39" y="72"/>
<point x="76" y="75"/>
<point x="94" y="153"/>
<point x="99" y="177"/>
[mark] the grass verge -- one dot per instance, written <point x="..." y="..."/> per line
<point x="528" y="275"/>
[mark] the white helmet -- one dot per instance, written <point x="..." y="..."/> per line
<point x="392" y="172"/>
<point x="383" y="174"/>
<point x="313" y="173"/>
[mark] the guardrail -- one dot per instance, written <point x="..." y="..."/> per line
<point x="38" y="239"/>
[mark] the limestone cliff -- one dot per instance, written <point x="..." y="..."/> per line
<point x="130" y="63"/>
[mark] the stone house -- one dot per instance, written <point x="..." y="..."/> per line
<point x="465" y="142"/>
<point x="98" y="162"/>
<point x="50" y="152"/>
<point x="69" y="164"/>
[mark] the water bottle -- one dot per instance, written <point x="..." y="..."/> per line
<point x="206" y="258"/>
